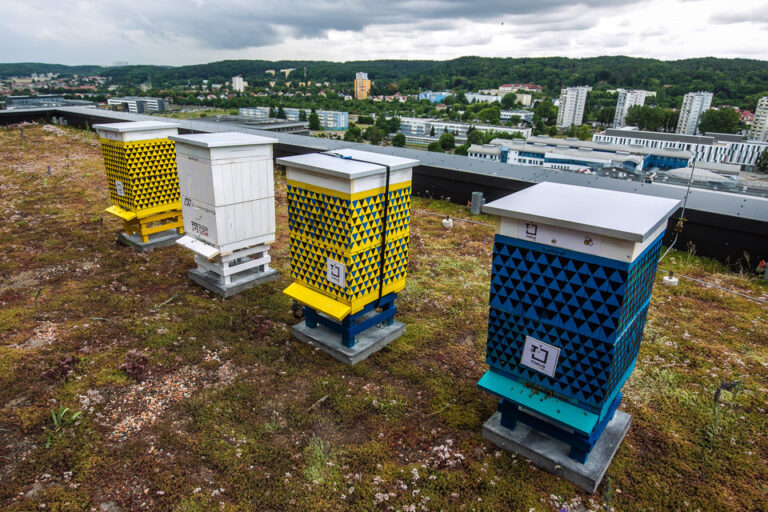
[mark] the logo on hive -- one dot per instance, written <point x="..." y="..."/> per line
<point x="540" y="356"/>
<point x="336" y="272"/>
<point x="199" y="229"/>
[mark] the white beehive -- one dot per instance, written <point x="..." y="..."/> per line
<point x="227" y="189"/>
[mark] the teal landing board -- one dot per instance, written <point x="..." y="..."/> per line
<point x="550" y="407"/>
<point x="563" y="412"/>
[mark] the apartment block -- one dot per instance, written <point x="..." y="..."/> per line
<point x="571" y="107"/>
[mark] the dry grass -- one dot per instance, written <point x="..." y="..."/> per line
<point x="223" y="418"/>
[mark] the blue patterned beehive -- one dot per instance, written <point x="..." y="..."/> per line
<point x="572" y="274"/>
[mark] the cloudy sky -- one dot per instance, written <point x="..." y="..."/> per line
<point x="177" y="32"/>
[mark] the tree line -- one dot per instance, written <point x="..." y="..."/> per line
<point x="740" y="82"/>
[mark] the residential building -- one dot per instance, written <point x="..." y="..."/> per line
<point x="507" y="115"/>
<point x="759" y="130"/>
<point x="524" y="99"/>
<point x="694" y="104"/>
<point x="422" y="128"/>
<point x="571" y="106"/>
<point x="434" y="97"/>
<point x="238" y="85"/>
<point x="138" y="105"/>
<point x="329" y="119"/>
<point x="362" y="86"/>
<point x="474" y="97"/>
<point x="711" y="147"/>
<point x="505" y="88"/>
<point x="627" y="99"/>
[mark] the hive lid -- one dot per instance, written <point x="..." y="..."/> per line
<point x="222" y="140"/>
<point x="347" y="163"/>
<point x="394" y="162"/>
<point x="620" y="215"/>
<point x="135" y="126"/>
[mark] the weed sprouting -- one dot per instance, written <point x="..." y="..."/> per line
<point x="61" y="419"/>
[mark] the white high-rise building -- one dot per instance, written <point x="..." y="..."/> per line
<point x="627" y="99"/>
<point x="759" y="130"/>
<point x="237" y="84"/>
<point x="694" y="104"/>
<point x="571" y="108"/>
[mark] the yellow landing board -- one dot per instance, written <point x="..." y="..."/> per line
<point x="119" y="212"/>
<point x="333" y="308"/>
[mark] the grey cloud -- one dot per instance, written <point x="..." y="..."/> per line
<point x="238" y="24"/>
<point x="757" y="15"/>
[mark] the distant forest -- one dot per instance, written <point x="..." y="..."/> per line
<point x="739" y="82"/>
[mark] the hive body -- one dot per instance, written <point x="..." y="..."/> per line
<point x="140" y="163"/>
<point x="571" y="282"/>
<point x="336" y="220"/>
<point x="349" y="222"/>
<point x="228" y="199"/>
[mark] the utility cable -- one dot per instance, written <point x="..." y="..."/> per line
<point x="385" y="219"/>
<point x="763" y="301"/>
<point x="455" y="218"/>
<point x="679" y="225"/>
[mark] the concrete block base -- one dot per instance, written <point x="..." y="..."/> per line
<point x="552" y="455"/>
<point x="241" y="281"/>
<point x="156" y="240"/>
<point x="367" y="342"/>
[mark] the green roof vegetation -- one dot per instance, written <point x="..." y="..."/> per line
<point x="189" y="402"/>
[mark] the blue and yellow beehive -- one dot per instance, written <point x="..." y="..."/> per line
<point x="140" y="162"/>
<point x="572" y="274"/>
<point x="337" y="219"/>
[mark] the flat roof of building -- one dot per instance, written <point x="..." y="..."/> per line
<point x="606" y="146"/>
<point x="672" y="137"/>
<point x="487" y="149"/>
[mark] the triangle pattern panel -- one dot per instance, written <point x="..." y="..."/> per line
<point x="346" y="223"/>
<point x="308" y="266"/>
<point x="348" y="229"/>
<point x="147" y="171"/>
<point x="592" y="308"/>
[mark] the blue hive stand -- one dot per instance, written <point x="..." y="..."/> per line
<point x="354" y="324"/>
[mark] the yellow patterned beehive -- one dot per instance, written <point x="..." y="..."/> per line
<point x="143" y="182"/>
<point x="337" y="216"/>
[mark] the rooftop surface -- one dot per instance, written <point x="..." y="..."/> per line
<point x="221" y="409"/>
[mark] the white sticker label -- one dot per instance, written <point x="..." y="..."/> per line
<point x="540" y="356"/>
<point x="558" y="237"/>
<point x="336" y="272"/>
<point x="119" y="187"/>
